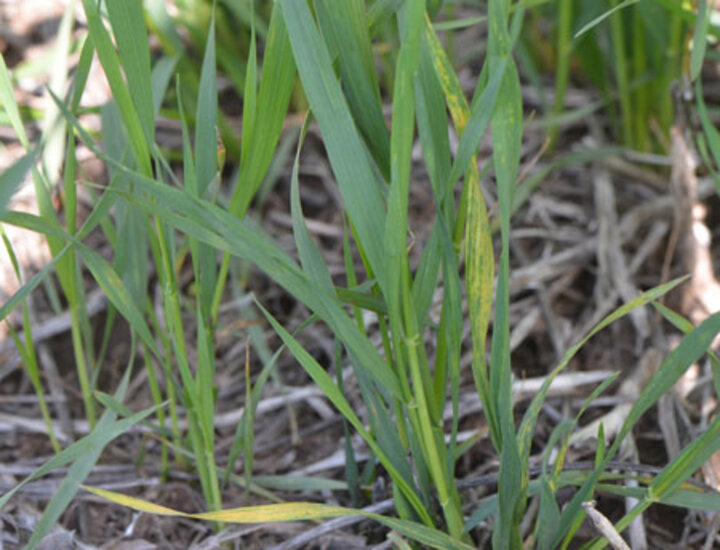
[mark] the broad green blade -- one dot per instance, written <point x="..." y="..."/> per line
<point x="128" y="26"/>
<point x="113" y="72"/>
<point x="216" y="227"/>
<point x="345" y="28"/>
<point x="477" y="123"/>
<point x="310" y="256"/>
<point x="250" y="93"/>
<point x="359" y="184"/>
<point x="130" y="243"/>
<point x="507" y="130"/>
<point x="276" y="85"/>
<point x="162" y="74"/>
<point x="13" y="177"/>
<point x="380" y="12"/>
<point x="432" y="121"/>
<point x="479" y="279"/>
<point x="9" y="105"/>
<point x="700" y="38"/>
<point x="206" y="117"/>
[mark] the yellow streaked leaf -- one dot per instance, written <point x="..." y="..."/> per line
<point x="289" y="511"/>
<point x="285" y="511"/>
<point x="134" y="503"/>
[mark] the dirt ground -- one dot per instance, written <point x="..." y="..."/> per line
<point x="590" y="236"/>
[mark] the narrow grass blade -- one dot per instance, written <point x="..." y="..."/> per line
<point x="477" y="123"/>
<point x="26" y="348"/>
<point x="385" y="431"/>
<point x="558" y="530"/>
<point x="80" y="469"/>
<point x="527" y="427"/>
<point x="13" y="177"/>
<point x="249" y="94"/>
<point x="396" y="222"/>
<point x="310" y="257"/>
<point x="106" y="277"/>
<point x="699" y="38"/>
<point x="269" y="106"/>
<point x="212" y="225"/>
<point x="82" y="72"/>
<point x="22" y="293"/>
<point x="432" y="122"/>
<point x="452" y="328"/>
<point x="682" y="324"/>
<point x="711" y="133"/>
<point x="549" y="511"/>
<point x="599" y="19"/>
<point x="249" y="421"/>
<point x="461" y="23"/>
<point x="9" y="105"/>
<point x="487" y="509"/>
<point x="688" y="496"/>
<point x="130" y="243"/>
<point x="352" y="470"/>
<point x="118" y="294"/>
<point x="691" y="348"/>
<point x="247" y="15"/>
<point x="622" y="74"/>
<point x="672" y="476"/>
<point x="104" y="432"/>
<point x="242" y="440"/>
<point x="564" y="55"/>
<point x="325" y="382"/>
<point x="162" y="74"/>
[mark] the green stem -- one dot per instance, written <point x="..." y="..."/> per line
<point x="640" y="110"/>
<point x="562" y="69"/>
<point x="671" y="72"/>
<point x="621" y="74"/>
<point x="81" y="364"/>
<point x="434" y="445"/>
